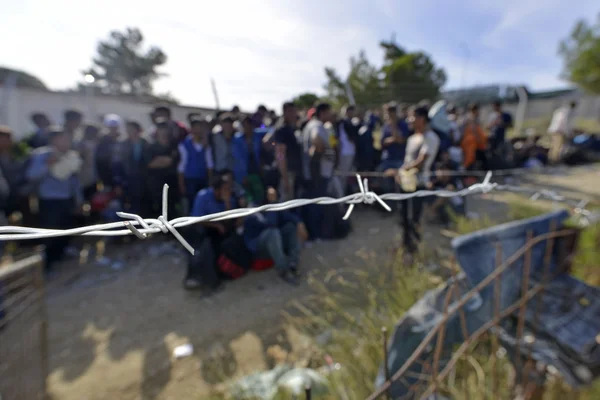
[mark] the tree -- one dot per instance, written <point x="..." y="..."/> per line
<point x="363" y="80"/>
<point x="23" y="79"/>
<point x="581" y="54"/>
<point x="122" y="67"/>
<point x="305" y="100"/>
<point x="405" y="76"/>
<point x="411" y="76"/>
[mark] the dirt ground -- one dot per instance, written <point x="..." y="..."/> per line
<point x="112" y="330"/>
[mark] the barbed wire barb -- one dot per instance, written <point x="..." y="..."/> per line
<point x="143" y="227"/>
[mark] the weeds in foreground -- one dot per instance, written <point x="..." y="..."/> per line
<point x="352" y="321"/>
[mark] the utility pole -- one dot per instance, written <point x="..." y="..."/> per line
<point x="215" y="93"/>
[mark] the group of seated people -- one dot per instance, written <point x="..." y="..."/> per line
<point x="227" y="249"/>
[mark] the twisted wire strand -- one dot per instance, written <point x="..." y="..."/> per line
<point x="133" y="224"/>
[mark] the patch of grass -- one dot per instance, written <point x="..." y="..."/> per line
<point x="348" y="323"/>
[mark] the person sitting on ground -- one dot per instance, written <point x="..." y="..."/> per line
<point x="275" y="235"/>
<point x="207" y="237"/>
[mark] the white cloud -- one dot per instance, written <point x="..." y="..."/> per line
<point x="257" y="52"/>
<point x="266" y="51"/>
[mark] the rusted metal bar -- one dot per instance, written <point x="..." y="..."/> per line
<point x="538" y="305"/>
<point x="442" y="333"/>
<point x="522" y="309"/>
<point x="483" y="329"/>
<point x="468" y="296"/>
<point x="497" y="292"/>
<point x="43" y="334"/>
<point x="386" y="367"/>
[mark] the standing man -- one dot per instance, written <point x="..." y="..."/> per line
<point x="421" y="150"/>
<point x="393" y="140"/>
<point x="196" y="161"/>
<point x="318" y="164"/>
<point x="163" y="157"/>
<point x="560" y="128"/>
<point x="347" y="131"/>
<point x="106" y="150"/>
<point x="40" y="137"/>
<point x="177" y="130"/>
<point x="246" y="148"/>
<point x="499" y="122"/>
<point x="72" y="122"/>
<point x="473" y="140"/>
<point x="222" y="142"/>
<point x="130" y="174"/>
<point x="55" y="170"/>
<point x="258" y="118"/>
<point x="288" y="152"/>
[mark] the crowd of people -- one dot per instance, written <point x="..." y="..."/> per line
<point x="214" y="163"/>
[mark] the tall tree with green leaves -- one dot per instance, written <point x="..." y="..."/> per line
<point x="411" y="76"/>
<point x="581" y="55"/>
<point x="123" y="66"/>
<point x="363" y="80"/>
<point x="305" y="100"/>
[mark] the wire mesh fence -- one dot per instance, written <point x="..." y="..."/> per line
<point x="23" y="331"/>
<point x="435" y="366"/>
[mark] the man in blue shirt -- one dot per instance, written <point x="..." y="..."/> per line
<point x="55" y="170"/>
<point x="40" y="137"/>
<point x="195" y="160"/>
<point x="274" y="235"/>
<point x="208" y="237"/>
<point x="288" y="151"/>
<point x="393" y="139"/>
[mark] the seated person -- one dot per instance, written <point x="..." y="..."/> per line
<point x="208" y="236"/>
<point x="237" y="190"/>
<point x="275" y="235"/>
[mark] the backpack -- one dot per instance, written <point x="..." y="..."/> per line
<point x="333" y="224"/>
<point x="445" y="141"/>
<point x="235" y="258"/>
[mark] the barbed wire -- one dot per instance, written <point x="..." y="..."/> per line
<point x="466" y="173"/>
<point x="142" y="227"/>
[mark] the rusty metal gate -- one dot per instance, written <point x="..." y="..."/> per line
<point x="23" y="330"/>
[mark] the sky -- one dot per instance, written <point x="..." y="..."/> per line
<point x="267" y="51"/>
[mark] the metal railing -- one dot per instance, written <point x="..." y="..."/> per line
<point x="23" y="330"/>
<point x="434" y="372"/>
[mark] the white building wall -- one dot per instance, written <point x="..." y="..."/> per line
<point x="21" y="103"/>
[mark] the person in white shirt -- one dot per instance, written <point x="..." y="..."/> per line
<point x="421" y="150"/>
<point x="560" y="128"/>
<point x="347" y="132"/>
